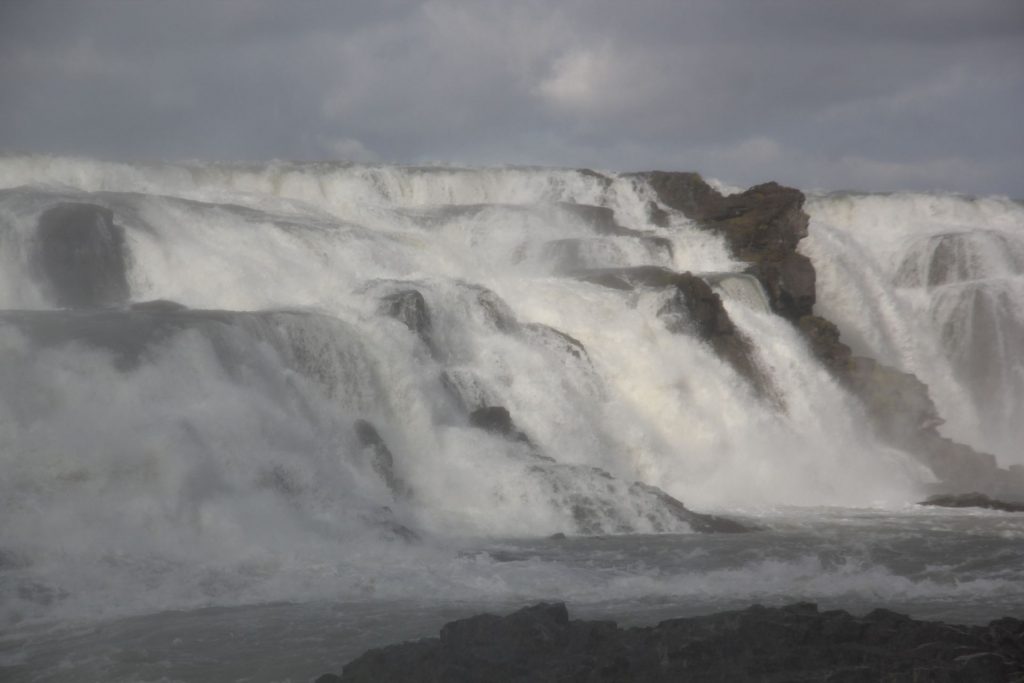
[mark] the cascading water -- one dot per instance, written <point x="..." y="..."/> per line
<point x="934" y="285"/>
<point x="317" y="380"/>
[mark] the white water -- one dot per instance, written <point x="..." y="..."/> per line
<point x="934" y="285"/>
<point x="211" y="459"/>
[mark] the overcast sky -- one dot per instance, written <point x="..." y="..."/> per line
<point x="835" y="94"/>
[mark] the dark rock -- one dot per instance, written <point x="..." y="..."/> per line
<point x="897" y="402"/>
<point x="823" y="338"/>
<point x="685" y="192"/>
<point x="972" y="500"/>
<point x="904" y="415"/>
<point x="82" y="256"/>
<point x="789" y="281"/>
<point x="381" y="459"/>
<point x="409" y="308"/>
<point x="762" y="227"/>
<point x="797" y="642"/>
<point x="497" y="420"/>
<point x="497" y="311"/>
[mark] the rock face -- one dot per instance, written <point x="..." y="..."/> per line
<point x="762" y="227"/>
<point x="793" y="643"/>
<point x="81" y="256"/>
<point x="410" y="308"/>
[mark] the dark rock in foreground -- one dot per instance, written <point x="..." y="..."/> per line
<point x="972" y="500"/>
<point x="794" y="643"/>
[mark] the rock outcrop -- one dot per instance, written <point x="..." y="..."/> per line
<point x="408" y="307"/>
<point x="793" y="643"/>
<point x="694" y="309"/>
<point x="763" y="227"/>
<point x="81" y="256"/>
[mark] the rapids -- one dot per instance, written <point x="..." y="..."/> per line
<point x="308" y="403"/>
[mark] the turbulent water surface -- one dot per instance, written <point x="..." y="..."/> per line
<point x="282" y="467"/>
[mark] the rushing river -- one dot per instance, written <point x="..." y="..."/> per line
<point x="276" y="465"/>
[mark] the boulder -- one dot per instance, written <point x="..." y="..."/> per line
<point x="81" y="256"/>
<point x="762" y="227"/>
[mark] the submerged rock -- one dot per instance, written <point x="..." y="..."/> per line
<point x="762" y="227"/>
<point x="793" y="643"/>
<point x="81" y="255"/>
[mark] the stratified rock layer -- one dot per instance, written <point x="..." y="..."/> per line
<point x="794" y="643"/>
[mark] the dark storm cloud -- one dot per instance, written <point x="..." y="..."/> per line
<point x="876" y="95"/>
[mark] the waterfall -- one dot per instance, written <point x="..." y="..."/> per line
<point x="245" y="367"/>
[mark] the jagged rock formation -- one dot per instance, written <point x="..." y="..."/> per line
<point x="793" y="643"/>
<point x="81" y="256"/>
<point x="763" y="227"/>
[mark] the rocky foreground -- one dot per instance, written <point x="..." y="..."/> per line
<point x="793" y="643"/>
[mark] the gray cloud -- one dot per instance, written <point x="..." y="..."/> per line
<point x="871" y="94"/>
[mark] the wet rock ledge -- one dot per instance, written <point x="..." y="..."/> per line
<point x="793" y="643"/>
